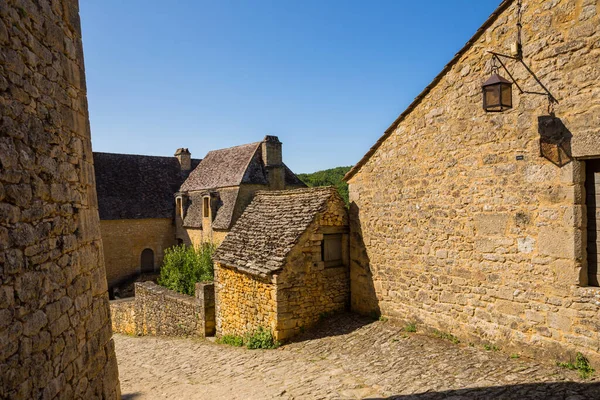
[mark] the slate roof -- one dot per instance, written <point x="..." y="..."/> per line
<point x="134" y="186"/>
<point x="270" y="227"/>
<point x="232" y="167"/>
<point x="501" y="8"/>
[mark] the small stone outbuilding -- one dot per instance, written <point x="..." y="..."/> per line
<point x="284" y="264"/>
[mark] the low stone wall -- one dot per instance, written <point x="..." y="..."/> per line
<point x="156" y="310"/>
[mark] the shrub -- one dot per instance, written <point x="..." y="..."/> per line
<point x="183" y="266"/>
<point x="261" y="339"/>
<point x="231" y="340"/>
<point x="410" y="327"/>
<point x="581" y="364"/>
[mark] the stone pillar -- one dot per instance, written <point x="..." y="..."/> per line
<point x="55" y="331"/>
<point x="205" y="294"/>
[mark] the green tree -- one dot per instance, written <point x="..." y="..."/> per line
<point x="183" y="266"/>
<point x="329" y="177"/>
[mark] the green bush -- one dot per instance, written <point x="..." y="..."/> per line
<point x="231" y="340"/>
<point x="261" y="339"/>
<point x="183" y="266"/>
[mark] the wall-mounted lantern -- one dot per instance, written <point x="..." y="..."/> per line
<point x="497" y="91"/>
<point x="497" y="94"/>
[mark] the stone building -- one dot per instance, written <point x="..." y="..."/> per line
<point x="137" y="210"/>
<point x="485" y="224"/>
<point x="284" y="263"/>
<point x="216" y="193"/>
<point x="55" y="331"/>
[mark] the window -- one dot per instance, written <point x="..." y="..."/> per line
<point x="592" y="186"/>
<point x="331" y="250"/>
<point x="147" y="261"/>
<point x="205" y="209"/>
<point x="178" y="207"/>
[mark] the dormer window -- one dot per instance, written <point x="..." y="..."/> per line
<point x="205" y="207"/>
<point x="179" y="207"/>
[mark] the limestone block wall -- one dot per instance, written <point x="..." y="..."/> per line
<point x="156" y="310"/>
<point x="55" y="333"/>
<point x="124" y="241"/>
<point x="243" y="302"/>
<point x="459" y="224"/>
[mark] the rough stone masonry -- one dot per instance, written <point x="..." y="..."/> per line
<point x="459" y="224"/>
<point x="55" y="333"/>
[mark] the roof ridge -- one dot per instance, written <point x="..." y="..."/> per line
<point x="233" y="147"/>
<point x="131" y="155"/>
<point x="491" y="19"/>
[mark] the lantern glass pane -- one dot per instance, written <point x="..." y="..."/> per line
<point x="492" y="96"/>
<point x="507" y="95"/>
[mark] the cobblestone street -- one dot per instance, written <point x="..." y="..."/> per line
<point x="348" y="358"/>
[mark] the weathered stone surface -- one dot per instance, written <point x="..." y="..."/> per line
<point x="46" y="346"/>
<point x="456" y="203"/>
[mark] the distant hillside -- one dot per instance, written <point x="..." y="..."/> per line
<point x="328" y="177"/>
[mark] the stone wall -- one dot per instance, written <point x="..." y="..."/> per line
<point x="55" y="334"/>
<point x="156" y="310"/>
<point x="243" y="302"/>
<point x="460" y="225"/>
<point x="198" y="236"/>
<point x="124" y="241"/>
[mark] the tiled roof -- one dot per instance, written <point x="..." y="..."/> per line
<point x="226" y="167"/>
<point x="232" y="167"/>
<point x="270" y="227"/>
<point x="135" y="186"/>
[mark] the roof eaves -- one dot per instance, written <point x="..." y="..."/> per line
<point x="503" y="6"/>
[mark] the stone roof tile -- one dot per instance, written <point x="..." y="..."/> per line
<point x="270" y="227"/>
<point x="133" y="186"/>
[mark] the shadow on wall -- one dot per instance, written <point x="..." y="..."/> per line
<point x="363" y="298"/>
<point x="333" y="325"/>
<point x="546" y="391"/>
<point x="555" y="140"/>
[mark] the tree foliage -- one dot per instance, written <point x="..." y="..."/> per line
<point x="329" y="177"/>
<point x="183" y="266"/>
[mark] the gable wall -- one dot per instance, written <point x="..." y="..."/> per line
<point x="450" y="230"/>
<point x="55" y="332"/>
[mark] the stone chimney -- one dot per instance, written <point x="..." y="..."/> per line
<point x="185" y="159"/>
<point x="271" y="155"/>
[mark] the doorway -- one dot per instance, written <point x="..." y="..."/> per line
<point x="147" y="261"/>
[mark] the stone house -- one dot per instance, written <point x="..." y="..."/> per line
<point x="55" y="331"/>
<point x="135" y="202"/>
<point x="284" y="263"/>
<point x="218" y="190"/>
<point x="485" y="224"/>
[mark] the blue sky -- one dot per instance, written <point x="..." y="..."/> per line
<point x="326" y="76"/>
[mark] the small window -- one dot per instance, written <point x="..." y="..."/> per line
<point x="331" y="250"/>
<point x="206" y="207"/>
<point x="178" y="207"/>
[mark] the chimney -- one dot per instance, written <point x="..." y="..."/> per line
<point x="185" y="159"/>
<point x="271" y="155"/>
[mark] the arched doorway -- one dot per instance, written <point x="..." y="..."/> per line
<point x="147" y="260"/>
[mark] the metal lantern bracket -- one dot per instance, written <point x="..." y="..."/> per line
<point x="499" y="56"/>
